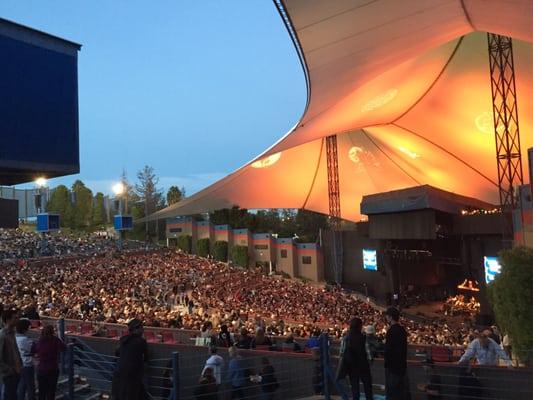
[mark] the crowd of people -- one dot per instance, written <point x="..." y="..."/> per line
<point x="17" y="244"/>
<point x="171" y="289"/>
<point x="460" y="305"/>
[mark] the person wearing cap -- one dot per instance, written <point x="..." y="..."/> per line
<point x="374" y="345"/>
<point x="486" y="351"/>
<point x="132" y="353"/>
<point x="396" y="379"/>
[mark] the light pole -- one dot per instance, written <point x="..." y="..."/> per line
<point x="40" y="183"/>
<point x="118" y="189"/>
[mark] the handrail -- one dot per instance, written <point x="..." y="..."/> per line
<point x="194" y="333"/>
<point x="89" y="358"/>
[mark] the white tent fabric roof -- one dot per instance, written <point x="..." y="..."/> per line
<point x="405" y="85"/>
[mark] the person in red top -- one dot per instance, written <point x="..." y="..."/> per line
<point x="47" y="351"/>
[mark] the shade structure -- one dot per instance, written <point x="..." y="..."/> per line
<point x="405" y="86"/>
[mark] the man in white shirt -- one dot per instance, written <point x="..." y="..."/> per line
<point x="486" y="352"/>
<point x="25" y="344"/>
<point x="216" y="363"/>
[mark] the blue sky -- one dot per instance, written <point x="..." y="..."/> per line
<point x="194" y="89"/>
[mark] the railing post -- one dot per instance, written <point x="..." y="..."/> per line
<point x="70" y="358"/>
<point x="175" y="375"/>
<point x="324" y="358"/>
<point x="61" y="335"/>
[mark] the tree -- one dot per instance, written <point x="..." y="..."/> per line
<point x="202" y="247"/>
<point x="150" y="196"/>
<point x="83" y="204"/>
<point x="99" y="214"/>
<point x="220" y="250"/>
<point x="510" y="294"/>
<point x="308" y="223"/>
<point x="239" y="255"/>
<point x="60" y="203"/>
<point x="174" y="195"/>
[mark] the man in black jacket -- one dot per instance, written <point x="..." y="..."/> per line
<point x="132" y="353"/>
<point x="396" y="380"/>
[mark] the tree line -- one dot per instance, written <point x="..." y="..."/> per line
<point x="81" y="210"/>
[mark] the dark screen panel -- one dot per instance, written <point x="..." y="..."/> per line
<point x="9" y="213"/>
<point x="38" y="110"/>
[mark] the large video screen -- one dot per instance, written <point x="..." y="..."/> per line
<point x="492" y="268"/>
<point x="370" y="259"/>
<point x="38" y="111"/>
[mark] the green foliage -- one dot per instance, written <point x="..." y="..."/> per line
<point x="202" y="247"/>
<point x="510" y="294"/>
<point x="185" y="243"/>
<point x="83" y="206"/>
<point x="240" y="255"/>
<point x="308" y="224"/>
<point x="220" y="250"/>
<point x="149" y="199"/>
<point x="174" y="194"/>
<point x="99" y="216"/>
<point x="60" y="203"/>
<point x="287" y="223"/>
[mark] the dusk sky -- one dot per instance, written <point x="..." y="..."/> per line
<point x="194" y="89"/>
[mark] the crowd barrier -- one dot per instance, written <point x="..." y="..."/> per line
<point x="171" y="336"/>
<point x="172" y="373"/>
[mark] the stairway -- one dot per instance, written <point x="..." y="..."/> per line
<point x="82" y="389"/>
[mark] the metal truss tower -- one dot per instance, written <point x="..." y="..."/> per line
<point x="505" y="113"/>
<point x="334" y="205"/>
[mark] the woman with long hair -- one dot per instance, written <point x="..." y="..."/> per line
<point x="47" y="351"/>
<point x="354" y="361"/>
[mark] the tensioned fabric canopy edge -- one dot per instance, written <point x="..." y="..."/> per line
<point x="406" y="88"/>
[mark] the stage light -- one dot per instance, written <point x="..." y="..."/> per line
<point x="41" y="182"/>
<point x="353" y="153"/>
<point x="469" y="285"/>
<point x="267" y="161"/>
<point x="380" y="100"/>
<point x="118" y="188"/>
<point x="409" y="153"/>
<point x="484" y="122"/>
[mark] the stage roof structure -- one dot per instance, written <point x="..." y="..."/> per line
<point x="405" y="86"/>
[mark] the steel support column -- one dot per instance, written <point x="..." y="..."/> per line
<point x="506" y="130"/>
<point x="333" y="180"/>
<point x="334" y="205"/>
<point x="505" y="113"/>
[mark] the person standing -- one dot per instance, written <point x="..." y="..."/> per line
<point x="132" y="353"/>
<point x="10" y="360"/>
<point x="26" y="384"/>
<point x="47" y="351"/>
<point x="216" y="363"/>
<point x="396" y="379"/>
<point x="269" y="383"/>
<point x="486" y="351"/>
<point x="236" y="377"/>
<point x="354" y="360"/>
<point x="207" y="386"/>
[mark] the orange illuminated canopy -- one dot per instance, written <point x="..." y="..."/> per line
<point x="405" y="86"/>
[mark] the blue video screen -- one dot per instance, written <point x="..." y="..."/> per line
<point x="492" y="268"/>
<point x="370" y="259"/>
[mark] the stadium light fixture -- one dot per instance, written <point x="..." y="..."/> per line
<point x="118" y="188"/>
<point x="41" y="182"/>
